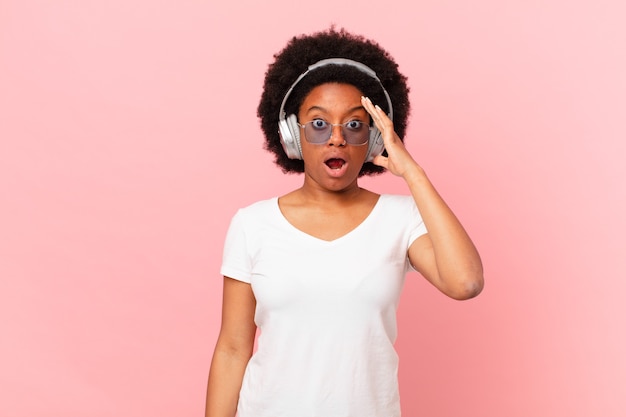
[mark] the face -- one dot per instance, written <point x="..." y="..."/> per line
<point x="335" y="164"/>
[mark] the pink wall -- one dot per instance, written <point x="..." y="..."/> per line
<point x="128" y="138"/>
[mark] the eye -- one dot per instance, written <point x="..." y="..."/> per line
<point x="319" y="124"/>
<point x="355" y="125"/>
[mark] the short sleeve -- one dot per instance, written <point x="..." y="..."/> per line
<point x="236" y="261"/>
<point x="417" y="227"/>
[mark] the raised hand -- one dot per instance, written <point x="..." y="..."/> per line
<point x="399" y="161"/>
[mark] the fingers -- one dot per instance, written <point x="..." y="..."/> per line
<point x="398" y="160"/>
<point x="372" y="110"/>
<point x="379" y="117"/>
<point x="381" y="161"/>
<point x="382" y="121"/>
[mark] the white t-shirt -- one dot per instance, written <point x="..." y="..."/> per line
<point x="326" y="311"/>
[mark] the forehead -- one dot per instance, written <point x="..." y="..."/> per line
<point x="332" y="96"/>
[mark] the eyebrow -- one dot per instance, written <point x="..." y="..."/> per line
<point x="352" y="110"/>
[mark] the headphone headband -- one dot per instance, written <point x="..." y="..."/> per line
<point x="335" y="61"/>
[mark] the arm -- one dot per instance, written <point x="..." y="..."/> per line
<point x="233" y="349"/>
<point x="445" y="256"/>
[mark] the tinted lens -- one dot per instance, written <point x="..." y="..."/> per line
<point x="355" y="132"/>
<point x="319" y="131"/>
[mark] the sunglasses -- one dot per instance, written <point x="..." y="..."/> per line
<point x="319" y="131"/>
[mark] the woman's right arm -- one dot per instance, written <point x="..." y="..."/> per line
<point x="233" y="349"/>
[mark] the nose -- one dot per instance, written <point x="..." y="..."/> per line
<point x="336" y="136"/>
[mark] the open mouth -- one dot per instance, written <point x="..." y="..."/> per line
<point x="335" y="163"/>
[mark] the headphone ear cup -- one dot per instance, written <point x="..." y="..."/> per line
<point x="375" y="145"/>
<point x="289" y="132"/>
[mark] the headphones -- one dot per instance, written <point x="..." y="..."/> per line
<point x="289" y="130"/>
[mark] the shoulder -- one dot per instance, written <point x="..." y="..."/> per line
<point x="398" y="208"/>
<point x="258" y="208"/>
<point x="397" y="201"/>
<point x="255" y="214"/>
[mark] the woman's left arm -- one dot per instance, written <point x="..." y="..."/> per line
<point x="445" y="256"/>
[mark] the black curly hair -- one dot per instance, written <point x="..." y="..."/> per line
<point x="302" y="51"/>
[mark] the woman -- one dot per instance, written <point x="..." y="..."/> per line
<point x="319" y="270"/>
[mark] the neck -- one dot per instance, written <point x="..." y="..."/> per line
<point x="313" y="193"/>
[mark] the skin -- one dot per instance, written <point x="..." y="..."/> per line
<point x="329" y="204"/>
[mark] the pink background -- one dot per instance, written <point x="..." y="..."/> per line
<point x="129" y="137"/>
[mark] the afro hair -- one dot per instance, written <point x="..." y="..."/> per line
<point x="302" y="51"/>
